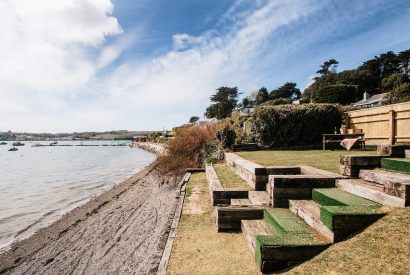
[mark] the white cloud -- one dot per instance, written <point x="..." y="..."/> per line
<point x="57" y="68"/>
<point x="43" y="43"/>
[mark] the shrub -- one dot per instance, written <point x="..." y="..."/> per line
<point x="339" y="93"/>
<point x="190" y="147"/>
<point x="226" y="136"/>
<point x="295" y="125"/>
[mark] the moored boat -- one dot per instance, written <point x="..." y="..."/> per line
<point x="18" y="143"/>
<point x="13" y="149"/>
<point x="3" y="143"/>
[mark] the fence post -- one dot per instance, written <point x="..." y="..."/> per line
<point x="392" y="127"/>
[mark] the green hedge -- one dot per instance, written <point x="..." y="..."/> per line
<point x="295" y="125"/>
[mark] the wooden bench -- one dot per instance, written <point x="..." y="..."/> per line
<point x="337" y="138"/>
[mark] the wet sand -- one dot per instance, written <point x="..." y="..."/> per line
<point x="117" y="232"/>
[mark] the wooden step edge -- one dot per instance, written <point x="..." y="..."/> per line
<point x="363" y="191"/>
<point x="259" y="198"/>
<point x="253" y="228"/>
<point x="241" y="202"/>
<point x="309" y="211"/>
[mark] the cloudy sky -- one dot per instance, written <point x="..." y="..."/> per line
<point x="77" y="65"/>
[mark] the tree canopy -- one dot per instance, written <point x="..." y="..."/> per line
<point x="287" y="90"/>
<point x="224" y="101"/>
<point x="373" y="77"/>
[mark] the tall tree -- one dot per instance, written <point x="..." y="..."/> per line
<point x="193" y="119"/>
<point x="287" y="90"/>
<point x="328" y="67"/>
<point x="262" y="96"/>
<point x="224" y="101"/>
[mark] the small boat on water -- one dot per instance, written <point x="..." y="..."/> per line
<point x="18" y="143"/>
<point x="37" y="145"/>
<point x="13" y="149"/>
<point x="3" y="143"/>
<point x="54" y="143"/>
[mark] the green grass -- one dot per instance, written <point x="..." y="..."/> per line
<point x="396" y="165"/>
<point x="285" y="221"/>
<point x="382" y="248"/>
<point x="228" y="177"/>
<point x="326" y="160"/>
<point x="337" y="197"/>
<point x="198" y="248"/>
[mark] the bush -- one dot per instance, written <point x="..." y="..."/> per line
<point x="295" y="125"/>
<point x="278" y="101"/>
<point x="339" y="93"/>
<point x="190" y="147"/>
<point x="226" y="136"/>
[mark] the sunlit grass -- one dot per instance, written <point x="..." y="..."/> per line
<point x="326" y="160"/>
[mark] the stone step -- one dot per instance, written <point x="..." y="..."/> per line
<point x="253" y="228"/>
<point x="309" y="211"/>
<point x="400" y="165"/>
<point x="371" y="191"/>
<point x="259" y="198"/>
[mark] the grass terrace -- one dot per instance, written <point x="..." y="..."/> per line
<point x="228" y="177"/>
<point x="382" y="248"/>
<point x="326" y="160"/>
<point x="198" y="248"/>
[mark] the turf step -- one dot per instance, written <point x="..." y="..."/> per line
<point x="259" y="198"/>
<point x="281" y="239"/>
<point x="371" y="191"/>
<point x="285" y="221"/>
<point x="345" y="213"/>
<point x="337" y="197"/>
<point x="401" y="165"/>
<point x="278" y="251"/>
<point x="309" y="211"/>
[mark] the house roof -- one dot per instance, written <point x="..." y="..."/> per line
<point x="372" y="99"/>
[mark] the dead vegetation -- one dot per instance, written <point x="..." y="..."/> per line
<point x="190" y="148"/>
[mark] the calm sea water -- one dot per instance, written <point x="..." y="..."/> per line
<point x="39" y="184"/>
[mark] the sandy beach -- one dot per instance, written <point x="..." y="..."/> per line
<point x="117" y="232"/>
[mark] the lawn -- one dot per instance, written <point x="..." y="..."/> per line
<point x="228" y="177"/>
<point x="326" y="160"/>
<point x="382" y="248"/>
<point x="198" y="247"/>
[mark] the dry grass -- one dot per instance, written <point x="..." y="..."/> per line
<point x="199" y="248"/>
<point x="326" y="160"/>
<point x="185" y="149"/>
<point x="382" y="248"/>
<point x="228" y="177"/>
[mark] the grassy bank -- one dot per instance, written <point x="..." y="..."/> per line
<point x="198" y="248"/>
<point x="228" y="177"/>
<point x="382" y="248"/>
<point x="326" y="160"/>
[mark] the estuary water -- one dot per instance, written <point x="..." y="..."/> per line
<point x="39" y="184"/>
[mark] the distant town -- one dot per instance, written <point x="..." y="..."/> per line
<point x="109" y="135"/>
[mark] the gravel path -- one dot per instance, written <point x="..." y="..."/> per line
<point x="115" y="233"/>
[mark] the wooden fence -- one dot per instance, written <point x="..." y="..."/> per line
<point x="388" y="124"/>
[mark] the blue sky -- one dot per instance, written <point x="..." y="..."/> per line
<point x="77" y="65"/>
